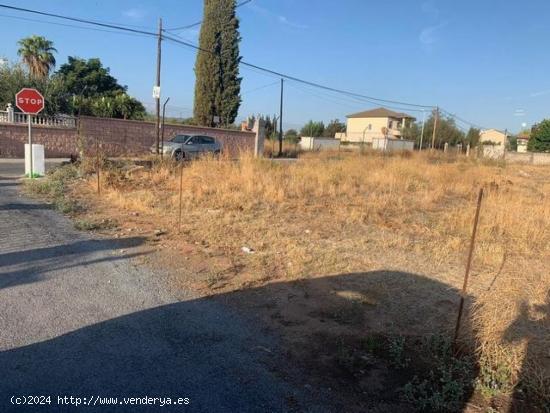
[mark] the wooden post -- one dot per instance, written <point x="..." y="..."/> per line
<point x="157" y="99"/>
<point x="468" y="265"/>
<point x="436" y="119"/>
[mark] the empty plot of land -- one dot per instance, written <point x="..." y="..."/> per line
<point x="79" y="318"/>
<point x="339" y="250"/>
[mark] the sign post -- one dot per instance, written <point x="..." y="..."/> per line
<point x="29" y="120"/>
<point x="30" y="102"/>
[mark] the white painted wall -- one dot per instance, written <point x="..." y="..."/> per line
<point x="391" y="144"/>
<point x="308" y="143"/>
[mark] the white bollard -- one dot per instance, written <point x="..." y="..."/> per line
<point x="38" y="161"/>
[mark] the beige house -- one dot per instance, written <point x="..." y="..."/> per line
<point x="377" y="123"/>
<point x="523" y="140"/>
<point x="493" y="136"/>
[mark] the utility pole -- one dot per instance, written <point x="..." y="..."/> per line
<point x="157" y="97"/>
<point x="422" y="133"/>
<point x="436" y="120"/>
<point x="281" y="121"/>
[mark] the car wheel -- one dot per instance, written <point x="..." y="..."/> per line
<point x="179" y="155"/>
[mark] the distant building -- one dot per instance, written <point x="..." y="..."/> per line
<point x="522" y="140"/>
<point x="379" y="123"/>
<point x="493" y="136"/>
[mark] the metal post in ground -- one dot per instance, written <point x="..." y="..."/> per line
<point x="181" y="193"/>
<point x="98" y="168"/>
<point x="468" y="265"/>
<point x="162" y="135"/>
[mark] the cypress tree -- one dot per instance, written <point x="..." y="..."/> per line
<point x="217" y="84"/>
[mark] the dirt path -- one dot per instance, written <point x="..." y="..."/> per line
<point x="79" y="318"/>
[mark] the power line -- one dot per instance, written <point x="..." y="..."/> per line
<point x="70" y="25"/>
<point x="351" y="101"/>
<point x="79" y="20"/>
<point x="462" y="120"/>
<point x="260" y="88"/>
<point x="190" y="26"/>
<point x="244" y="63"/>
<point x="296" y="79"/>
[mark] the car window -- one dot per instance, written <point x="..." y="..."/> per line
<point x="180" y="138"/>
<point x="208" y="140"/>
<point x="196" y="140"/>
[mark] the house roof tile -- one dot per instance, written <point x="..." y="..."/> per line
<point x="380" y="113"/>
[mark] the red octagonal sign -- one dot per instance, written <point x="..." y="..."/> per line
<point x="29" y="101"/>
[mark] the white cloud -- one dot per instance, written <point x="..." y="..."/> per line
<point x="134" y="14"/>
<point x="519" y="112"/>
<point x="429" y="35"/>
<point x="540" y="93"/>
<point x="285" y="21"/>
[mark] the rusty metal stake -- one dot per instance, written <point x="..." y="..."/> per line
<point x="97" y="164"/>
<point x="468" y="265"/>
<point x="181" y="192"/>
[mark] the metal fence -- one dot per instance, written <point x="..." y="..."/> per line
<point x="59" y="121"/>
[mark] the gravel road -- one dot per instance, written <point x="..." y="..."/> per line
<point x="79" y="317"/>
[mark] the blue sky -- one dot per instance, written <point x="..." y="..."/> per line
<point x="484" y="60"/>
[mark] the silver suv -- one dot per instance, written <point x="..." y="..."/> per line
<point x="189" y="146"/>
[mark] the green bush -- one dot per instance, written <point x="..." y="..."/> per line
<point x="53" y="188"/>
<point x="449" y="379"/>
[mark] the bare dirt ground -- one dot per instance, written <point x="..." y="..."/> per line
<point x="359" y="274"/>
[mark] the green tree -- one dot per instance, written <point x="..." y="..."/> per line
<point x="37" y="54"/>
<point x="447" y="132"/>
<point x="88" y="88"/>
<point x="87" y="78"/>
<point x="313" y="129"/>
<point x="291" y="135"/>
<point x="334" y="127"/>
<point x="540" y="137"/>
<point x="472" y="137"/>
<point x="14" y="77"/>
<point x="270" y="126"/>
<point x="217" y="84"/>
<point x="412" y="132"/>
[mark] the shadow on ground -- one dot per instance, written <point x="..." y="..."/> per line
<point x="34" y="265"/>
<point x="533" y="326"/>
<point x="195" y="348"/>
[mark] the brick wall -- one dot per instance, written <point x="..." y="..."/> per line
<point x="58" y="142"/>
<point x="127" y="137"/>
<point x="117" y="137"/>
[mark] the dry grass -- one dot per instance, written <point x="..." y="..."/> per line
<point x="338" y="213"/>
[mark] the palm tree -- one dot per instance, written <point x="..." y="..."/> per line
<point x="37" y="53"/>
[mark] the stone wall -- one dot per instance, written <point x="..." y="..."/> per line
<point x="534" y="158"/>
<point x="117" y="137"/>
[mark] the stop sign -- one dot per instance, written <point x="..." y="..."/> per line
<point x="29" y="101"/>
